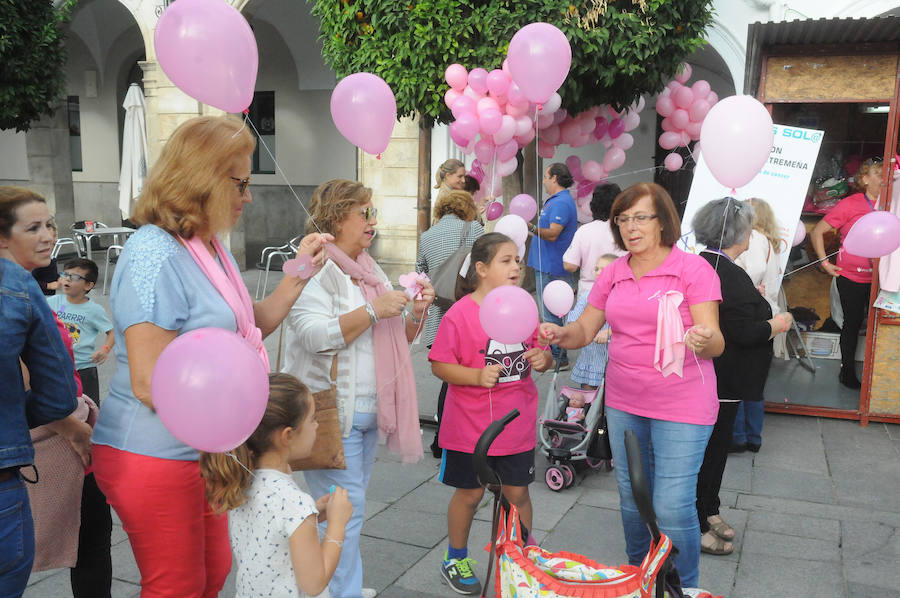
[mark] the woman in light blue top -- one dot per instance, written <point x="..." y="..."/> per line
<point x="175" y="276"/>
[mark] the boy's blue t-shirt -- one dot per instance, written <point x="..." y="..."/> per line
<point x="84" y="321"/>
<point x="546" y="256"/>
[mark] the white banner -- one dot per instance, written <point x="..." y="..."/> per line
<point x="783" y="183"/>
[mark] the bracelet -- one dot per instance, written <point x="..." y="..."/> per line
<point x="107" y="347"/>
<point x="373" y="319"/>
<point x="783" y="321"/>
<point x="532" y="228"/>
<point x="416" y="320"/>
<point x="333" y="541"/>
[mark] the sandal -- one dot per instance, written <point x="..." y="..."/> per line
<point x="710" y="543"/>
<point x="720" y="528"/>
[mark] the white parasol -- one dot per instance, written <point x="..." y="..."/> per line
<point x="134" y="149"/>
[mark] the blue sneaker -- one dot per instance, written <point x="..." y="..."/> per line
<point x="459" y="575"/>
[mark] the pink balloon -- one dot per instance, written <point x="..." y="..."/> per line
<point x="613" y="159"/>
<point x="506" y="131"/>
<point x="592" y="171"/>
<point x="667" y="125"/>
<point x="874" y="235"/>
<point x="684" y="73"/>
<point x="737" y="138"/>
<point x="467" y="126"/>
<point x="507" y="167"/>
<point x="364" y="110"/>
<point x="508" y="314"/>
<point x="515" y="95"/>
<point x="712" y="98"/>
<point x="457" y="137"/>
<point x="524" y="124"/>
<point x="484" y="150"/>
<point x="513" y="227"/>
<point x="468" y="91"/>
<point x="494" y="210"/>
<point x="693" y="130"/>
<point x="546" y="150"/>
<point x="586" y="124"/>
<point x="451" y="97"/>
<point x="559" y="116"/>
<point x="558" y="298"/>
<point x="665" y="106"/>
<point x="517" y="110"/>
<point x="485" y="104"/>
<point x="210" y="389"/>
<point x="698" y="110"/>
<point x="539" y="59"/>
<point x="569" y="131"/>
<point x="700" y="88"/>
<point x="616" y="128"/>
<point x="505" y="67"/>
<point x="526" y="138"/>
<point x="673" y="162"/>
<point x="799" y="234"/>
<point x="457" y="77"/>
<point x="680" y="118"/>
<point x="478" y="80"/>
<point x="489" y="121"/>
<point x="463" y="105"/>
<point x="497" y="82"/>
<point x="524" y="206"/>
<point x="550" y="134"/>
<point x="574" y="165"/>
<point x="600" y="127"/>
<point x="624" y="141"/>
<point x="669" y="140"/>
<point x="632" y="120"/>
<point x="507" y="151"/>
<point x="683" y="97"/>
<point x="586" y="188"/>
<point x="544" y="121"/>
<point x="208" y="50"/>
<point x="551" y="105"/>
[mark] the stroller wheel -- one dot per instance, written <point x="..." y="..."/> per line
<point x="555" y="478"/>
<point x="568" y="474"/>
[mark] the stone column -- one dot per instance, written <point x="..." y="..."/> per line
<point x="394" y="182"/>
<point x="50" y="164"/>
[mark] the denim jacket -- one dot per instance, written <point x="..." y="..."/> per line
<point x="28" y="331"/>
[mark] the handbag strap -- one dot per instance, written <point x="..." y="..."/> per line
<point x="467" y="226"/>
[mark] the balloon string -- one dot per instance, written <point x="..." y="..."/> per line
<point x="811" y="263"/>
<point x="541" y="201"/>
<point x="243" y="124"/>
<point x="281" y="172"/>
<point x="238" y="461"/>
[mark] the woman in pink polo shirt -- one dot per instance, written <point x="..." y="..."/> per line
<point x="662" y="307"/>
<point x="854" y="273"/>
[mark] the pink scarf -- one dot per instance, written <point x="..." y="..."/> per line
<point x="668" y="355"/>
<point x="398" y="409"/>
<point x="228" y="282"/>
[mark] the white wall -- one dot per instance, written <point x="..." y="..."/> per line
<point x="13" y="158"/>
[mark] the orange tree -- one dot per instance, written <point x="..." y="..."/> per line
<point x="621" y="49"/>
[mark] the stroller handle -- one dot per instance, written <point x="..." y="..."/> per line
<point x="639" y="488"/>
<point x="486" y="475"/>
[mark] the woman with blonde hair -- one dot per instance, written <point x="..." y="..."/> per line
<point x="450" y="176"/>
<point x="353" y="331"/>
<point x="174" y="275"/>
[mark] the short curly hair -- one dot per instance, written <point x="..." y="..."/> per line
<point x="459" y="203"/>
<point x="864" y="169"/>
<point x="332" y="202"/>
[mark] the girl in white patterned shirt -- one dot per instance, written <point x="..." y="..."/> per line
<point x="272" y="523"/>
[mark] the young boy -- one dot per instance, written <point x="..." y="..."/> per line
<point x="85" y="320"/>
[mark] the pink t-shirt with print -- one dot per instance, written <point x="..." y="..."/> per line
<point x="468" y="410"/>
<point x="633" y="385"/>
<point x="842" y="217"/>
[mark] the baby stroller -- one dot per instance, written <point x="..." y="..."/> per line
<point x="530" y="571"/>
<point x="569" y="441"/>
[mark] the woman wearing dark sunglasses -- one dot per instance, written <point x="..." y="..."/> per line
<point x="853" y="273"/>
<point x="174" y="275"/>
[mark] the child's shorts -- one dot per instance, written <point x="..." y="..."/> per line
<point x="458" y="471"/>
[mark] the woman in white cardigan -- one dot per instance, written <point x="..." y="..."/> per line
<point x="349" y="313"/>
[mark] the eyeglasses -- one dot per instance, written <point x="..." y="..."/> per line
<point x="640" y="219"/>
<point x="241" y="183"/>
<point x="369" y="213"/>
<point x="71" y="277"/>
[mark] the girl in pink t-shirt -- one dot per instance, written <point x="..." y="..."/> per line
<point x="485" y="379"/>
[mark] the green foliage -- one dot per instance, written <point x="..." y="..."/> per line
<point x="32" y="59"/>
<point x="621" y="49"/>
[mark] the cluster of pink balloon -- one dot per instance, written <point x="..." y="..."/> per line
<point x="522" y="205"/>
<point x="737" y="137"/>
<point x="364" y="110"/>
<point x="210" y="389"/>
<point x="683" y="109"/>
<point x="587" y="176"/>
<point x="491" y="109"/>
<point x="207" y="49"/>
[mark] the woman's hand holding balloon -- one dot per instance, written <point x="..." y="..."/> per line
<point x="698" y="337"/>
<point x="423" y="299"/>
<point x="390" y="304"/>
<point x="539" y="358"/>
<point x="313" y="245"/>
<point x="551" y="333"/>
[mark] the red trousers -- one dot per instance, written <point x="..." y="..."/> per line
<point x="180" y="545"/>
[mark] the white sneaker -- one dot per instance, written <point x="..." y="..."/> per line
<point x="369" y="593"/>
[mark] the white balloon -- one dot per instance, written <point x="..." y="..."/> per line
<point x="513" y="227"/>
<point x="551" y="105"/>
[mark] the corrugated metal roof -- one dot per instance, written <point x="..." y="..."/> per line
<point x="812" y="32"/>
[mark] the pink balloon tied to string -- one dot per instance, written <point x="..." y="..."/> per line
<point x="539" y="57"/>
<point x="508" y="314"/>
<point x="876" y="234"/>
<point x="364" y="110"/>
<point x="737" y="137"/>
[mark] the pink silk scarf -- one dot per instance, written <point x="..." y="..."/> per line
<point x="668" y="355"/>
<point x="398" y="410"/>
<point x="228" y="282"/>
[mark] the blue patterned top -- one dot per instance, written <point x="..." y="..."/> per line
<point x="156" y="281"/>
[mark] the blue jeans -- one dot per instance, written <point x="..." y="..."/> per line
<point x="16" y="537"/>
<point x="672" y="453"/>
<point x="359" y="452"/>
<point x="541" y="280"/>
<point x="748" y="423"/>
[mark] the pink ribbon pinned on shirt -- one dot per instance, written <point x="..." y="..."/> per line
<point x="668" y="355"/>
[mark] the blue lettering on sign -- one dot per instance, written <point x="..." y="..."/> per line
<point x="812" y="136"/>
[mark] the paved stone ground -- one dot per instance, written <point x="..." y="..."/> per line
<point x="817" y="513"/>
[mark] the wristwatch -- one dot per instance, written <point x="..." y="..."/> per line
<point x="532" y="228"/>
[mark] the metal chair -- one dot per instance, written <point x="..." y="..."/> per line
<point x="62" y="242"/>
<point x="109" y="262"/>
<point x="285" y="252"/>
<point x="82" y="250"/>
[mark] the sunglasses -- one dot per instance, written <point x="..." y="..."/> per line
<point x="241" y="184"/>
<point x="71" y="277"/>
<point x="369" y="213"/>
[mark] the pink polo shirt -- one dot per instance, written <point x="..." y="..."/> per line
<point x="468" y="410"/>
<point x="842" y="217"/>
<point x="633" y="385"/>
